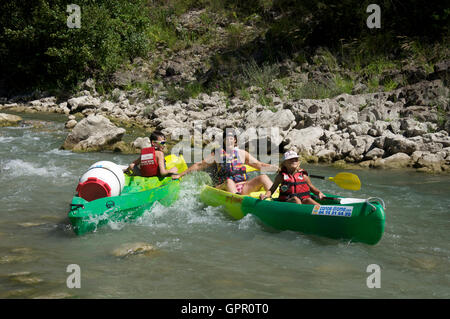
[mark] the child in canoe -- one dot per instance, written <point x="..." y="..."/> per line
<point x="295" y="183"/>
<point x="151" y="162"/>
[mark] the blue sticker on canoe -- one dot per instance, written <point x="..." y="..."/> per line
<point x="342" y="211"/>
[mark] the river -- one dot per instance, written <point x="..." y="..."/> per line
<point x="200" y="252"/>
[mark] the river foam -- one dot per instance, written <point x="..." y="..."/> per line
<point x="18" y="167"/>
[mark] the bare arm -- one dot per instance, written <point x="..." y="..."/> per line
<point x="210" y="160"/>
<point x="273" y="189"/>
<point x="314" y="189"/>
<point x="132" y="165"/>
<point x="253" y="162"/>
<point x="162" y="169"/>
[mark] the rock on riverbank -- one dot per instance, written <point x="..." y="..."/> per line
<point x="9" y="120"/>
<point x="406" y="127"/>
<point x="93" y="133"/>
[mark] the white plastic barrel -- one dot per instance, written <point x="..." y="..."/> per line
<point x="102" y="179"/>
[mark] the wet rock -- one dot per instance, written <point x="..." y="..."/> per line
<point x="399" y="160"/>
<point x="44" y="105"/>
<point x="124" y="148"/>
<point x="22" y="250"/>
<point x="326" y="156"/>
<point x="23" y="273"/>
<point x="126" y="250"/>
<point x="11" y="259"/>
<point x="70" y="124"/>
<point x="428" y="161"/>
<point x="26" y="279"/>
<point x="30" y="224"/>
<point x="95" y="132"/>
<point x="374" y="153"/>
<point x="9" y="120"/>
<point x="55" y="295"/>
<point x="18" y="293"/>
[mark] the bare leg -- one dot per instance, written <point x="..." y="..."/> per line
<point x="309" y="201"/>
<point x="294" y="199"/>
<point x="255" y="184"/>
<point x="231" y="186"/>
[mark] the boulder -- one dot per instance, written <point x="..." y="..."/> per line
<point x="93" y="133"/>
<point x="429" y="161"/>
<point x="70" y="124"/>
<point x="302" y="140"/>
<point x="326" y="156"/>
<point x="399" y="144"/>
<point x="283" y="119"/>
<point x="374" y="153"/>
<point x="380" y="127"/>
<point x="9" y="120"/>
<point x="347" y="118"/>
<point x="399" y="160"/>
<point x="141" y="142"/>
<point x="360" y="128"/>
<point x="130" y="249"/>
<point x="413" y="127"/>
<point x="78" y="104"/>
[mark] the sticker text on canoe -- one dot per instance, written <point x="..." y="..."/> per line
<point x="342" y="211"/>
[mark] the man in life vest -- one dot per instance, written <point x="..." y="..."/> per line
<point x="151" y="162"/>
<point x="230" y="170"/>
<point x="295" y="185"/>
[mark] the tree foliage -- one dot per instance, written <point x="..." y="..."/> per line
<point x="37" y="49"/>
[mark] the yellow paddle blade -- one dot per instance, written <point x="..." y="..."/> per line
<point x="176" y="161"/>
<point x="248" y="168"/>
<point x="347" y="180"/>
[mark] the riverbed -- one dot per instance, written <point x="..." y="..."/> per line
<point x="199" y="251"/>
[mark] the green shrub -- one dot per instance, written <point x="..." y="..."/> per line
<point x="38" y="49"/>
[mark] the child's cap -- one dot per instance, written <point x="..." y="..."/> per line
<point x="288" y="155"/>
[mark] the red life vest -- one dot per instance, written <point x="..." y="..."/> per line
<point x="293" y="185"/>
<point x="231" y="167"/>
<point x="149" y="165"/>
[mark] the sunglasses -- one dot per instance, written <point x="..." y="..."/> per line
<point x="161" y="142"/>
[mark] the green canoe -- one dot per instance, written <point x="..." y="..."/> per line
<point x="358" y="220"/>
<point x="138" y="195"/>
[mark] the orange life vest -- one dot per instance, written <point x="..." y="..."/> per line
<point x="294" y="185"/>
<point x="149" y="165"/>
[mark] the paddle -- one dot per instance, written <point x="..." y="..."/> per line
<point x="171" y="161"/>
<point x="175" y="161"/>
<point x="344" y="180"/>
